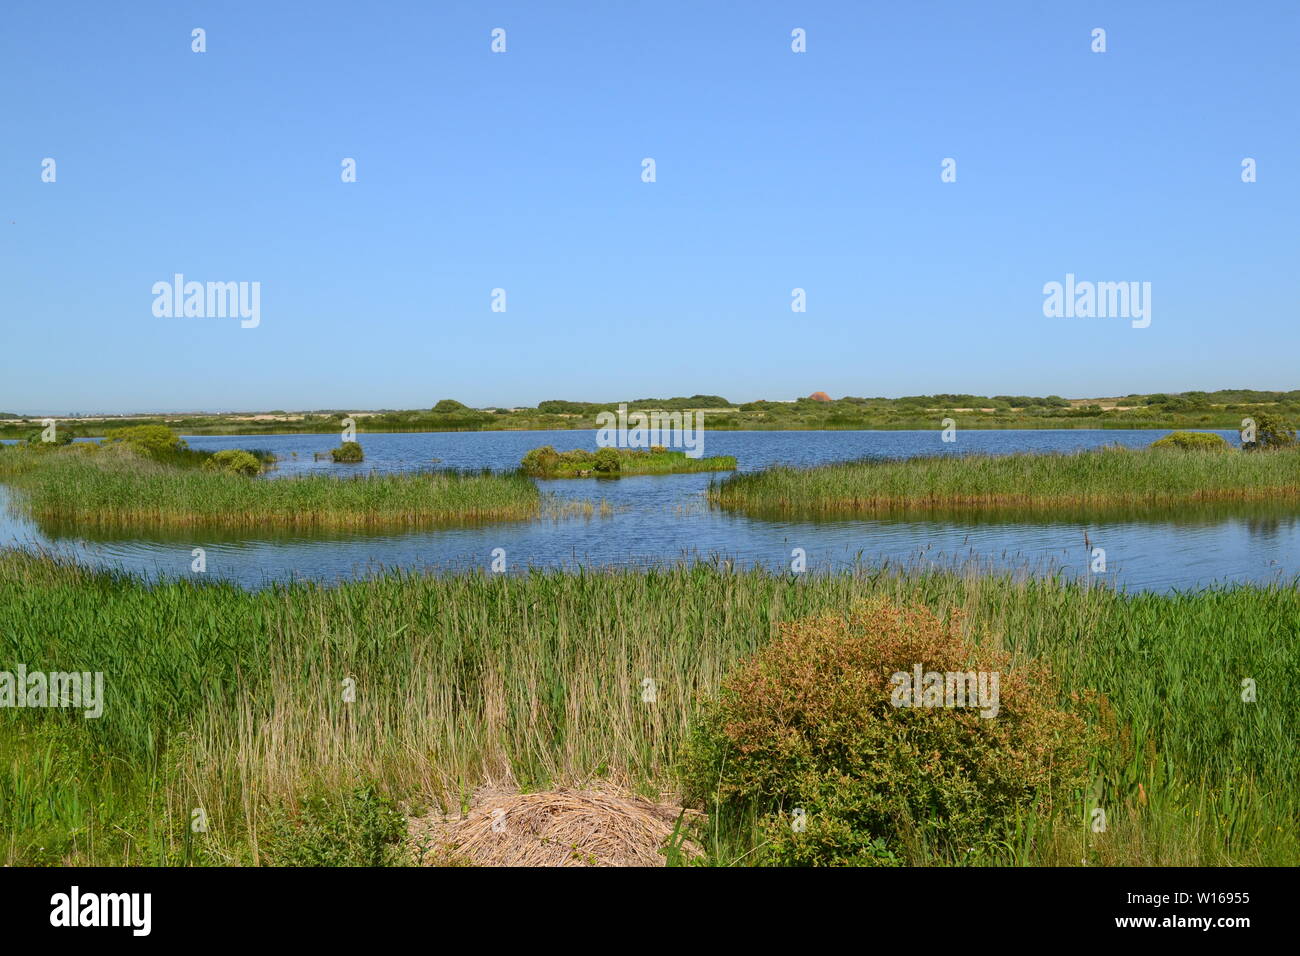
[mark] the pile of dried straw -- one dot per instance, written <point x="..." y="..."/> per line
<point x="553" y="828"/>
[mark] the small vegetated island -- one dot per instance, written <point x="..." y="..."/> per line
<point x="349" y="452"/>
<point x="1181" y="469"/>
<point x="147" y="476"/>
<point x="546" y="462"/>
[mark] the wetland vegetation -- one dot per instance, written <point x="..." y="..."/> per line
<point x="1110" y="478"/>
<point x="234" y="702"/>
<point x="307" y="722"/>
<point x="546" y="462"/>
<point x="1223" y="409"/>
<point x="116" y="485"/>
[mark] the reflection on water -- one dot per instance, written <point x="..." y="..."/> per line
<point x="1262" y="516"/>
<point x="658" y="519"/>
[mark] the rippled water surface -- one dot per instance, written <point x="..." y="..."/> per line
<point x="665" y="518"/>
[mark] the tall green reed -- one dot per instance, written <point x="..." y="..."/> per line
<point x="230" y="700"/>
<point x="1112" y="477"/>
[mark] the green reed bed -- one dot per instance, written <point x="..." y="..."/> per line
<point x="96" y="489"/>
<point x="234" y="701"/>
<point x="1111" y="478"/>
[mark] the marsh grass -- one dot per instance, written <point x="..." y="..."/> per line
<point x="1111" y="478"/>
<point x="115" y="488"/>
<point x="233" y="701"/>
<point x="546" y="462"/>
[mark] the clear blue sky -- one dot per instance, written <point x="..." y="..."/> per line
<point x="523" y="171"/>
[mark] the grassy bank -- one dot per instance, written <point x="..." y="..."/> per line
<point x="1108" y="479"/>
<point x="233" y="702"/>
<point x="119" y="489"/>
<point x="546" y="462"/>
<point x="1222" y="409"/>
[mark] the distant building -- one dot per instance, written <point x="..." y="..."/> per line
<point x="819" y="397"/>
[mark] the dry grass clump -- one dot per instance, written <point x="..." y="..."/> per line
<point x="553" y="828"/>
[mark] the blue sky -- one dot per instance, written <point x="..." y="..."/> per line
<point x="522" y="171"/>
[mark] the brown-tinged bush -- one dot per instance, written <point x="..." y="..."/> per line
<point x="806" y="736"/>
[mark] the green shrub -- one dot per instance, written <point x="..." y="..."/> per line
<point x="449" y="405"/>
<point x="234" y="460"/>
<point x="606" y="461"/>
<point x="1271" y="432"/>
<point x="153" y="440"/>
<point x="1193" y="441"/>
<point x="349" y="451"/>
<point x="62" y="436"/>
<point x="541" y="461"/>
<point x="809" y="724"/>
<point x="157" y="442"/>
<point x="358" y="828"/>
<point x="556" y="406"/>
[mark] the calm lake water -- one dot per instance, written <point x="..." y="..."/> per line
<point x="660" y="519"/>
